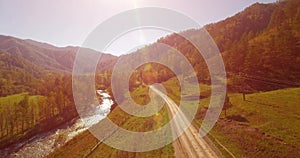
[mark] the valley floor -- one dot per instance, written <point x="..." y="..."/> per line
<point x="266" y="124"/>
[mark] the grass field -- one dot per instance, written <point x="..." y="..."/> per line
<point x="16" y="98"/>
<point x="82" y="144"/>
<point x="267" y="124"/>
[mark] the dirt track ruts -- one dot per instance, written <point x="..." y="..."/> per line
<point x="189" y="144"/>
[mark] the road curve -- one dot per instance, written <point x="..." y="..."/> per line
<point x="189" y="144"/>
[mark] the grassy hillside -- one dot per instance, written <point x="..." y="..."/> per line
<point x="267" y="124"/>
<point x="255" y="44"/>
<point x="260" y="46"/>
<point x="83" y="144"/>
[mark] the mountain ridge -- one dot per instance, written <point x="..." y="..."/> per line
<point x="44" y="55"/>
<point x="251" y="43"/>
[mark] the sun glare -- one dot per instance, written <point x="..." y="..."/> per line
<point x="135" y="3"/>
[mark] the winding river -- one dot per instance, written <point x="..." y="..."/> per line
<point x="45" y="143"/>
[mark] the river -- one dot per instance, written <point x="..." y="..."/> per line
<point x="43" y="144"/>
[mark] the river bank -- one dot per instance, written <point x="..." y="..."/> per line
<point x="43" y="144"/>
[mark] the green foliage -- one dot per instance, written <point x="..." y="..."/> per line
<point x="262" y="41"/>
<point x="256" y="42"/>
<point x="17" y="75"/>
<point x="271" y="125"/>
<point x="83" y="143"/>
<point x="19" y="114"/>
<point x="24" y="115"/>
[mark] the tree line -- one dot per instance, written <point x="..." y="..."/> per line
<point x="28" y="115"/>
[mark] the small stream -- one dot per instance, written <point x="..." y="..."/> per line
<point x="45" y="143"/>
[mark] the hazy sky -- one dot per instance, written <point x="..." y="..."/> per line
<point x="68" y="22"/>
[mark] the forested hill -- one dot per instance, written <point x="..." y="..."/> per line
<point x="36" y="87"/>
<point x="260" y="48"/>
<point x="261" y="39"/>
<point x="262" y="43"/>
<point x="46" y="56"/>
<point x="26" y="65"/>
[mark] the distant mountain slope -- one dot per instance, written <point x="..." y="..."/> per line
<point x="44" y="55"/>
<point x="263" y="41"/>
<point x="26" y="64"/>
<point x="260" y="48"/>
<point x="17" y="75"/>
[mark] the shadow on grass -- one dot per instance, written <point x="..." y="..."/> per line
<point x="237" y="118"/>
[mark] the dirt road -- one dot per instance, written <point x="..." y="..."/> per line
<point x="189" y="144"/>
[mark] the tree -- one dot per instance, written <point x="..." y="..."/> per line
<point x="23" y="108"/>
<point x="12" y="121"/>
<point x="43" y="112"/>
<point x="1" y="124"/>
<point x="5" y="119"/>
<point x="296" y="24"/>
<point x="277" y="18"/>
<point x="227" y="105"/>
<point x="51" y="104"/>
<point x="60" y="101"/>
